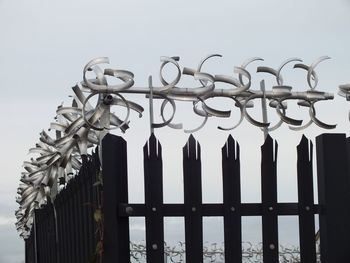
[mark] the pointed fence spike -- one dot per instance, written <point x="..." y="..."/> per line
<point x="268" y="138"/>
<point x="146" y="150"/>
<point x="192" y="148"/>
<point x="268" y="142"/>
<point x="301" y="147"/>
<point x="152" y="138"/>
<point x="198" y="151"/>
<point x="151" y="146"/>
<point x="191" y="138"/>
<point x="237" y="151"/>
<point x="303" y="138"/>
<point x="229" y="148"/>
<point x="270" y="146"/>
<point x="230" y="138"/>
<point x="275" y="149"/>
<point x="303" y="141"/>
<point x="311" y="146"/>
<point x="224" y="151"/>
<point x="159" y="150"/>
<point x="307" y="146"/>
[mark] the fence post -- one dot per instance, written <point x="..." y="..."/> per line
<point x="193" y="201"/>
<point x="115" y="191"/>
<point x="153" y="175"/>
<point x="231" y="180"/>
<point x="306" y="202"/>
<point x="334" y="197"/>
<point x="269" y="201"/>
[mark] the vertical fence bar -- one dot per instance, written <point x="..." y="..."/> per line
<point x="60" y="244"/>
<point x="85" y="215"/>
<point x="231" y="180"/>
<point x="35" y="232"/>
<point x="306" y="202"/>
<point x="29" y="248"/>
<point x="43" y="237"/>
<point x="37" y="236"/>
<point x="92" y="170"/>
<point x="47" y="236"/>
<point x="193" y="201"/>
<point x="38" y="239"/>
<point x="51" y="234"/>
<point x="80" y="224"/>
<point x="41" y="241"/>
<point x="95" y="169"/>
<point x="65" y="226"/>
<point x="58" y="204"/>
<point x="85" y="210"/>
<point x="269" y="201"/>
<point x="55" y="225"/>
<point x="41" y="249"/>
<point x="115" y="191"/>
<point x="96" y="197"/>
<point x="90" y="211"/>
<point x="67" y="229"/>
<point x="74" y="217"/>
<point x="334" y="197"/>
<point x="70" y="222"/>
<point x="153" y="176"/>
<point x="62" y="226"/>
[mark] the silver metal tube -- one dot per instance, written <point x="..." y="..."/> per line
<point x="264" y="108"/>
<point x="151" y="116"/>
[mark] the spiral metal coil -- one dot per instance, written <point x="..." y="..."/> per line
<point x="344" y="91"/>
<point x="81" y="125"/>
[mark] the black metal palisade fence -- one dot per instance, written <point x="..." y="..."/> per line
<point x="64" y="231"/>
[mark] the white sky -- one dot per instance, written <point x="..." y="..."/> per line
<point x="45" y="44"/>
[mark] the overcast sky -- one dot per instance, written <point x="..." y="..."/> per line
<point x="44" y="46"/>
